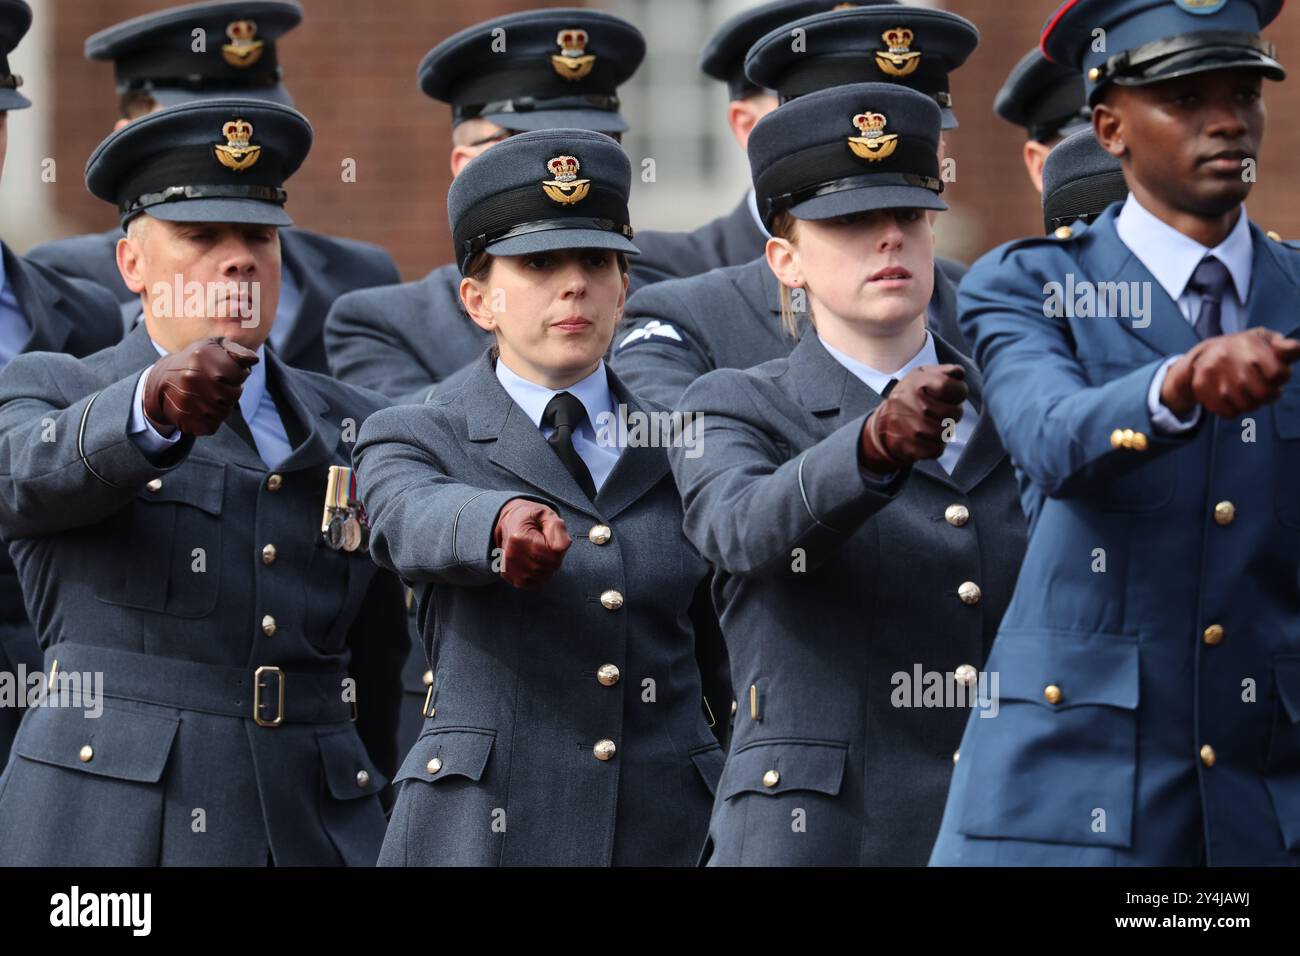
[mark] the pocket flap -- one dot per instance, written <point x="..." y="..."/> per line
<point x="1287" y="672"/>
<point x="1083" y="668"/>
<point x="709" y="761"/>
<point x="196" y="482"/>
<point x="349" y="771"/>
<point x="126" y="745"/>
<point x="775" y="766"/>
<point x="448" y="753"/>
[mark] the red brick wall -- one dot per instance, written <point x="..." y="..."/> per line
<point x="351" y="68"/>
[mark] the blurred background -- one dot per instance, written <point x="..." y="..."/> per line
<point x="351" y="69"/>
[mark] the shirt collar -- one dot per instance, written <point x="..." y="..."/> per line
<point x="254" y="385"/>
<point x="592" y="391"/>
<point x="877" y="380"/>
<point x="752" y="201"/>
<point x="1172" y="257"/>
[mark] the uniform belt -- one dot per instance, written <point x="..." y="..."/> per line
<point x="268" y="695"/>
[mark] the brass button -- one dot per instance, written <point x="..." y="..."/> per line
<point x="1273" y="235"/>
<point x="771" y="778"/>
<point x="268" y="626"/>
<point x="956" y="515"/>
<point x="274" y="482"/>
<point x="599" y="534"/>
<point x="966" y="675"/>
<point x="734" y="707"/>
<point x="154" y="484"/>
<point x="1207" y="755"/>
<point x="1052" y="693"/>
<point x="87" y="753"/>
<point x="1213" y="634"/>
<point x="427" y="678"/>
<point x="268" y="554"/>
<point x="607" y="674"/>
<point x="956" y="755"/>
<point x="1064" y="232"/>
<point x="969" y="592"/>
<point x="1117" y="438"/>
<point x="604" y="749"/>
<point x="611" y="600"/>
<point x="434" y="765"/>
<point x="1138" y="442"/>
<point x="1224" y="512"/>
<point x="363" y="779"/>
<point x="1094" y="74"/>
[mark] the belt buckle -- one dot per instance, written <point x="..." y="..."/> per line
<point x="428" y="699"/>
<point x="257" y="697"/>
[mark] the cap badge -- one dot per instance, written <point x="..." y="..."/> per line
<point x="874" y="144"/>
<point x="566" y="188"/>
<point x="844" y="6"/>
<point x="571" y="62"/>
<point x="237" y="154"/>
<point x="1201" y="7"/>
<point x="900" y="59"/>
<point x="243" y="50"/>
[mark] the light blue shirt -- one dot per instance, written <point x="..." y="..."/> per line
<point x="877" y="380"/>
<point x="255" y="403"/>
<point x="15" y="330"/>
<point x="1171" y="258"/>
<point x="598" y="454"/>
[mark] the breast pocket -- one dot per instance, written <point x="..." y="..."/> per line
<point x="172" y="559"/>
<point x="1286" y="480"/>
<point x="1057" y="762"/>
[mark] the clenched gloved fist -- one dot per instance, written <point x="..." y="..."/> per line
<point x="908" y="426"/>
<point x="532" y="539"/>
<point x="196" y="388"/>
<point x="1230" y="374"/>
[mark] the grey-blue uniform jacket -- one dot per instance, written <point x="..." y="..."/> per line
<point x="839" y="600"/>
<point x="729" y="240"/>
<point x="505" y="770"/>
<point x="673" y="332"/>
<point x="324" y="267"/>
<point x="177" y="581"/>
<point x="77" y="318"/>
<point x="405" y="339"/>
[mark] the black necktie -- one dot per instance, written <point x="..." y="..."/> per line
<point x="889" y="387"/>
<point x="1210" y="280"/>
<point x="564" y="412"/>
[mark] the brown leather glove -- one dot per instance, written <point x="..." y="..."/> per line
<point x="1230" y="374"/>
<point x="196" y="388"/>
<point x="532" y="539"/>
<point x="908" y="426"/>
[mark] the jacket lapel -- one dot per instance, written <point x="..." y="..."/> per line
<point x="983" y="449"/>
<point x="518" y="446"/>
<point x="639" y="468"/>
<point x="318" y="436"/>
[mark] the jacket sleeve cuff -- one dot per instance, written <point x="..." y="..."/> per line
<point x="837" y="492"/>
<point x="106" y="447"/>
<point x="473" y="525"/>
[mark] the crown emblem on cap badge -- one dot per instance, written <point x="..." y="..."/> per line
<point x="566" y="188"/>
<point x="236" y="153"/>
<point x="572" y="62"/>
<point x="874" y="144"/>
<point x="244" y="49"/>
<point x="899" y="59"/>
<point x="844" y="6"/>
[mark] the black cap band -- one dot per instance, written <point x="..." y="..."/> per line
<point x="1047" y="130"/>
<point x="531" y="104"/>
<point x="162" y="68"/>
<point x="1084" y="198"/>
<point x="472" y="95"/>
<point x="915" y="162"/>
<point x="823" y="72"/>
<point x="527" y="209"/>
<point x="156" y="180"/>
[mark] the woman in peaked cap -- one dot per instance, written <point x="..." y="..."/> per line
<point x="857" y="505"/>
<point x="564" y="724"/>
